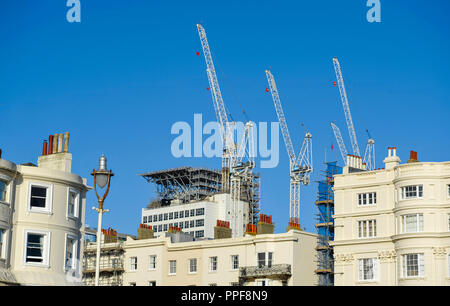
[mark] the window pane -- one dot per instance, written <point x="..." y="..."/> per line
<point x="35" y="248"/>
<point x="38" y="195"/>
<point x="261" y="260"/>
<point x="2" y="190"/>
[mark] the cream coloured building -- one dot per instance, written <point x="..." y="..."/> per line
<point x="176" y="259"/>
<point x="392" y="225"/>
<point x="266" y="259"/>
<point x="42" y="218"/>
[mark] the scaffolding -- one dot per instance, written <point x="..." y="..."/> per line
<point x="111" y="264"/>
<point x="185" y="184"/>
<point x="325" y="225"/>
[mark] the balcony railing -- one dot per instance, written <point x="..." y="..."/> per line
<point x="281" y="270"/>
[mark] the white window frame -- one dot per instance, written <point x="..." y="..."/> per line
<point x="417" y="227"/>
<point x="174" y="267"/>
<point x="4" y="194"/>
<point x="375" y="262"/>
<point x="76" y="208"/>
<point x="268" y="262"/>
<point x="363" y="199"/>
<point x="48" y="198"/>
<point x="403" y="192"/>
<point x="233" y="257"/>
<point x="371" y="231"/>
<point x="193" y="260"/>
<point x="420" y="265"/>
<point x="75" y="260"/>
<point x="152" y="262"/>
<point x="3" y="241"/>
<point x="213" y="264"/>
<point x="133" y="265"/>
<point x="45" y="252"/>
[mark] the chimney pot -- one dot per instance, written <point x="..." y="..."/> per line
<point x="44" y="148"/>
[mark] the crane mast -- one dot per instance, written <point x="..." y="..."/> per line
<point x="369" y="154"/>
<point x="300" y="167"/>
<point x="237" y="175"/>
<point x="345" y="105"/>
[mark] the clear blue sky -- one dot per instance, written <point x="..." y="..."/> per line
<point x="118" y="80"/>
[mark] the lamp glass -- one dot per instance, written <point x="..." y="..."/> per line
<point x="101" y="179"/>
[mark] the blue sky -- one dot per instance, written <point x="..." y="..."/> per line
<point x="118" y="80"/>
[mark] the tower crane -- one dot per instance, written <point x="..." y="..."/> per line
<point x="348" y="115"/>
<point x="301" y="166"/>
<point x="228" y="143"/>
<point x="369" y="154"/>
<point x="233" y="157"/>
<point x="340" y="141"/>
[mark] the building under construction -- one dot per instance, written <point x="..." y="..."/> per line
<point x="325" y="225"/>
<point x="188" y="190"/>
<point x="183" y="185"/>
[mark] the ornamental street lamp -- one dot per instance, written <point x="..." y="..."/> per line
<point x="102" y="177"/>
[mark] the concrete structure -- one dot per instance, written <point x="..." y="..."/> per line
<point x="392" y="225"/>
<point x="196" y="217"/>
<point x="42" y="212"/>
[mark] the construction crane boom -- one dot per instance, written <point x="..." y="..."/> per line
<point x="300" y="167"/>
<point x="237" y="162"/>
<point x="340" y="141"/>
<point x="228" y="143"/>
<point x="369" y="154"/>
<point x="345" y="105"/>
<point x="281" y="117"/>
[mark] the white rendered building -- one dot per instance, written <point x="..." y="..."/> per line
<point x="197" y="218"/>
<point x="42" y="218"/>
<point x="392" y="225"/>
<point x="285" y="259"/>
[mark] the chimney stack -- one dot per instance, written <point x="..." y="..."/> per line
<point x="222" y="230"/>
<point x="412" y="157"/>
<point x="54" y="156"/>
<point x="265" y="225"/>
<point x="145" y="232"/>
<point x="392" y="160"/>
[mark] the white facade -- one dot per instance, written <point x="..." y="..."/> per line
<point x="42" y="219"/>
<point x="201" y="219"/>
<point x="392" y="226"/>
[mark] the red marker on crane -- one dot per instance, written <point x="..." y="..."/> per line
<point x="267" y="89"/>
<point x="198" y="53"/>
<point x="334" y="83"/>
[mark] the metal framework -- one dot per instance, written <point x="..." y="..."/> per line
<point x="245" y="184"/>
<point x="340" y="141"/>
<point x="111" y="265"/>
<point x="325" y="225"/>
<point x="345" y="105"/>
<point x="228" y="143"/>
<point x="237" y="175"/>
<point x="300" y="167"/>
<point x="369" y="154"/>
<point x="185" y="184"/>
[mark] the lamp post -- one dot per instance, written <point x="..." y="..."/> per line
<point x="102" y="177"/>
